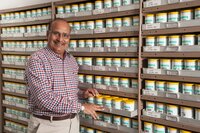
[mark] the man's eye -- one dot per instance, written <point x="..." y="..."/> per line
<point x="56" y="33"/>
<point x="65" y="35"/>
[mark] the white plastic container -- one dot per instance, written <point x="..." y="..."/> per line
<point x="161" y="17"/>
<point x="99" y="61"/>
<point x="98" y="4"/>
<point x="159" y="128"/>
<point x="124" y="42"/>
<point x="186" y="14"/>
<point x="109" y="23"/>
<point x="160" y="107"/>
<point x="174" y="40"/>
<point x="150" y="40"/>
<point x="165" y="64"/>
<point x="107" y="80"/>
<point x="116" y="62"/>
<point x="173" y="16"/>
<point x="75" y="8"/>
<point x="124" y="82"/>
<point x="67" y="8"/>
<point x="89" y="6"/>
<point x="177" y="64"/>
<point x="98" y="80"/>
<point x="134" y="41"/>
<point x="126" y="122"/>
<point x="125" y="62"/>
<point x="81" y="43"/>
<point x="107" y="3"/>
<point x="90" y="25"/>
<point x="117" y="3"/>
<point x="87" y="61"/>
<point x="136" y="20"/>
<point x="117" y="22"/>
<point x="161" y="41"/>
<point x="89" y="79"/>
<point x="115" y="42"/>
<point x="108" y="61"/>
<point x="150" y="85"/>
<point x="188" y="40"/>
<point x="190" y="64"/>
<point x="197" y="114"/>
<point x="197" y="13"/>
<point x="149" y="19"/>
<point x="173" y="87"/>
<point x="148" y="127"/>
<point x="99" y="24"/>
<point x="172" y="130"/>
<point x="60" y="10"/>
<point x="160" y="85"/>
<point x="172" y="110"/>
<point x="89" y="43"/>
<point x="81" y="7"/>
<point x="187" y="112"/>
<point x="153" y="63"/>
<point x="98" y="43"/>
<point x="126" y="2"/>
<point x="197" y="89"/>
<point x="117" y="119"/>
<point x="150" y="106"/>
<point x="127" y="21"/>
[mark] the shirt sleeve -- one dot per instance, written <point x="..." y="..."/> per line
<point x="41" y="92"/>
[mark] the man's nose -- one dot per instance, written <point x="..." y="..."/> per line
<point x="60" y="37"/>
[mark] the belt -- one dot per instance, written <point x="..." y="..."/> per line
<point x="53" y="118"/>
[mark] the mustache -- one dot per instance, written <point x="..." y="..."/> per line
<point x="59" y="43"/>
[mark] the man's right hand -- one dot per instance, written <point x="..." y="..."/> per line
<point x="91" y="109"/>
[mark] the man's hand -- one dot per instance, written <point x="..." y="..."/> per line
<point x="91" y="109"/>
<point x="90" y="93"/>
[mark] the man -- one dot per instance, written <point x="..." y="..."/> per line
<point x="52" y="82"/>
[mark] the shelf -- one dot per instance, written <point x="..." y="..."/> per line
<point x="25" y="8"/>
<point x="18" y="121"/>
<point x="170" y="123"/>
<point x="16" y="108"/>
<point x="171" y="101"/>
<point x="110" y="130"/>
<point x="26" y="23"/>
<point x="23" y="38"/>
<point x="68" y="2"/>
<point x="14" y="80"/>
<point x="105" y="54"/>
<point x="171" y="78"/>
<point x="174" y="6"/>
<point x="16" y="53"/>
<point x="171" y="31"/>
<point x="105" y="15"/>
<point x="171" y="54"/>
<point x="15" y="94"/>
<point x="106" y="35"/>
<point x="104" y="73"/>
<point x="117" y="93"/>
<point x="13" y="66"/>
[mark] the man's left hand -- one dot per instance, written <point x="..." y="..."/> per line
<point x="90" y="93"/>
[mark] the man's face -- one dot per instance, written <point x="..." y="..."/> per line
<point x="59" y="36"/>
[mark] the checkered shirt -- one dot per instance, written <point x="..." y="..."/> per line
<point x="52" y="83"/>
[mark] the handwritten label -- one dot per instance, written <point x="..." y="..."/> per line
<point x="149" y="92"/>
<point x="172" y="25"/>
<point x="98" y="11"/>
<point x="153" y="3"/>
<point x="172" y="118"/>
<point x="172" y="48"/>
<point x="100" y="30"/>
<point x="172" y="72"/>
<point x="152" y="26"/>
<point x="152" y="48"/>
<point x="172" y="95"/>
<point x="153" y="71"/>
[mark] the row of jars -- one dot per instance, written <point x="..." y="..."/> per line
<point x="25" y="29"/>
<point x="114" y="102"/>
<point x="24" y="44"/>
<point x="156" y="128"/>
<point x="173" y="40"/>
<point x="174" y="87"/>
<point x="26" y="14"/>
<point x="118" y="62"/>
<point x="174" y="16"/>
<point x="14" y="86"/>
<point x="15" y="58"/>
<point x="106" y="80"/>
<point x="17" y="100"/>
<point x="84" y="129"/>
<point x="110" y="42"/>
<point x="16" y="126"/>
<point x="18" y="113"/>
<point x="98" y="4"/>
<point x="106" y="23"/>
<point x="174" y="110"/>
<point x="13" y="72"/>
<point x="174" y="64"/>
<point x="114" y="119"/>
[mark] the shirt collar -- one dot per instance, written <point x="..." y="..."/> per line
<point x="66" y="54"/>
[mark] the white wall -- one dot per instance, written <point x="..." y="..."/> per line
<point x="7" y="4"/>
